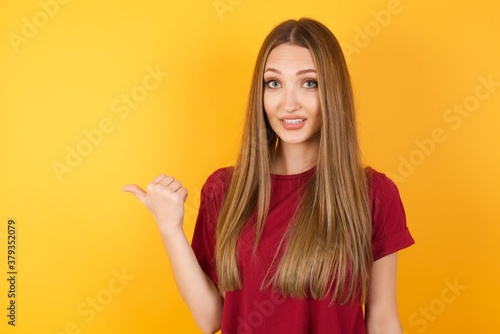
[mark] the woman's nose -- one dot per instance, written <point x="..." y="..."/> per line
<point x="291" y="102"/>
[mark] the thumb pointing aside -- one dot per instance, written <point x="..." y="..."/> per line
<point x="137" y="191"/>
<point x="164" y="198"/>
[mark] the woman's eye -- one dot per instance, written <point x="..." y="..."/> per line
<point x="311" y="84"/>
<point x="273" y="84"/>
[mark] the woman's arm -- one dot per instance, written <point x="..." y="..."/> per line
<point x="381" y="310"/>
<point x="165" y="199"/>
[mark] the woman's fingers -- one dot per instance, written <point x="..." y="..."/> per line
<point x="164" y="198"/>
<point x="159" y="178"/>
<point x="169" y="183"/>
<point x="160" y="183"/>
<point x="136" y="190"/>
<point x="183" y="193"/>
<point x="174" y="186"/>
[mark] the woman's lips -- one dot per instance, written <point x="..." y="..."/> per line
<point x="293" y="123"/>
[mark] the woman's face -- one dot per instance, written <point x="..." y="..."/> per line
<point x="291" y="97"/>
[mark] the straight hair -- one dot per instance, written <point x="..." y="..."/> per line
<point x="327" y="247"/>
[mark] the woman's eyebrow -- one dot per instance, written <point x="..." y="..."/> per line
<point x="270" y="69"/>
<point x="310" y="70"/>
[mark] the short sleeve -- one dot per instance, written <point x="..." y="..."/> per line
<point x="389" y="230"/>
<point x="203" y="242"/>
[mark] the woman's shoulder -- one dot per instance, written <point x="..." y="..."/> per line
<point x="380" y="183"/>
<point x="218" y="181"/>
<point x="222" y="174"/>
<point x="389" y="230"/>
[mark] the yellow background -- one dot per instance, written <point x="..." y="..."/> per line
<point x="77" y="231"/>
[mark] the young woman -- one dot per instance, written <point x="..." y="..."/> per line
<point x="298" y="235"/>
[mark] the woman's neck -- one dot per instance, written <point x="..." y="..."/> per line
<point x="294" y="158"/>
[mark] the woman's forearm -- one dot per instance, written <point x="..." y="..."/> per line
<point x="197" y="290"/>
<point x="165" y="198"/>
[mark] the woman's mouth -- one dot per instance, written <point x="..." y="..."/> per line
<point x="293" y="123"/>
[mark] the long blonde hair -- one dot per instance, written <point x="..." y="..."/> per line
<point x="327" y="249"/>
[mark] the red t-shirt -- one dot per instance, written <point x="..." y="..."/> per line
<point x="252" y="310"/>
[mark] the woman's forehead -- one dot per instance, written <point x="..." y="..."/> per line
<point x="286" y="56"/>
